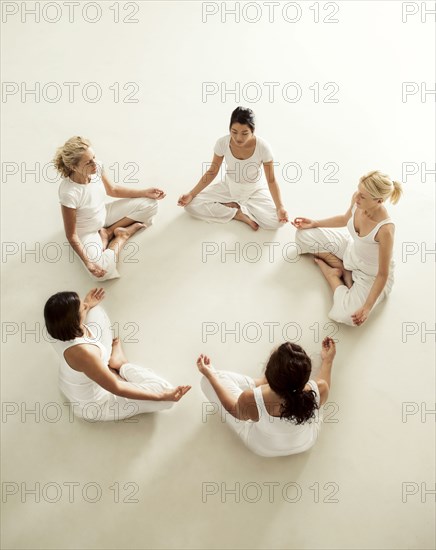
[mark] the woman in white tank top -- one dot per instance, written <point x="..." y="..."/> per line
<point x="279" y="414"/>
<point x="358" y="266"/>
<point x="94" y="374"/>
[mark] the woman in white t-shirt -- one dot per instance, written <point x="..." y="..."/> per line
<point x="279" y="414"/>
<point x="243" y="195"/>
<point x="95" y="229"/>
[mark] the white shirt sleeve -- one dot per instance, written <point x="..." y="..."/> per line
<point x="265" y="151"/>
<point x="68" y="197"/>
<point x="220" y="147"/>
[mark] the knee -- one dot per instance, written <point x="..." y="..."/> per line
<point x="343" y="317"/>
<point x="148" y="205"/>
<point x="301" y="236"/>
<point x="191" y="208"/>
<point x="342" y="310"/>
<point x="271" y="225"/>
<point x="304" y="238"/>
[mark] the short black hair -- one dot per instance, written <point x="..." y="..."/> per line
<point x="243" y="115"/>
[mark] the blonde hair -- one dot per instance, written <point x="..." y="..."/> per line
<point x="70" y="154"/>
<point x="380" y="186"/>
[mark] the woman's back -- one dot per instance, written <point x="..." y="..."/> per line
<point x="275" y="436"/>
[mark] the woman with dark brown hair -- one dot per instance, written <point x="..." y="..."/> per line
<point x="243" y="195"/>
<point x="278" y="414"/>
<point x="94" y="373"/>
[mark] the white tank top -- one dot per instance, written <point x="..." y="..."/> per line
<point x="75" y="385"/>
<point x="274" y="436"/>
<point x="363" y="252"/>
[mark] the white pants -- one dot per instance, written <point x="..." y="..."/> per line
<point x="114" y="407"/>
<point x="255" y="201"/>
<point x="234" y="383"/>
<point x="140" y="209"/>
<point x="346" y="301"/>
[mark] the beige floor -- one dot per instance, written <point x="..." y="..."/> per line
<point x="175" y="480"/>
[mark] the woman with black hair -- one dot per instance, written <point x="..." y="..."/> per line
<point x="94" y="374"/>
<point x="279" y="414"/>
<point x="242" y="196"/>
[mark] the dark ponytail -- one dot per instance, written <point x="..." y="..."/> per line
<point x="287" y="373"/>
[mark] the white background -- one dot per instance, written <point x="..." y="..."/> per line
<point x="365" y="449"/>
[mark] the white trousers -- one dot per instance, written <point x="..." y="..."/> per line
<point x="346" y="301"/>
<point x="141" y="209"/>
<point x="114" y="407"/>
<point x="235" y="383"/>
<point x="255" y="201"/>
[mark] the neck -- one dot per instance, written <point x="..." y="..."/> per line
<point x="78" y="178"/>
<point x="247" y="144"/>
<point x="371" y="211"/>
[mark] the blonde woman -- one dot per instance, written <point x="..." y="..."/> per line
<point x="358" y="266"/>
<point x="95" y="229"/>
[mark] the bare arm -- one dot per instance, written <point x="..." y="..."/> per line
<point x="323" y="379"/>
<point x="386" y="244"/>
<point x="120" y="192"/>
<point x="86" y="358"/>
<point x="205" y="180"/>
<point x="69" y="217"/>
<point x="239" y="408"/>
<point x="275" y="191"/>
<point x="208" y="176"/>
<point x="335" y="221"/>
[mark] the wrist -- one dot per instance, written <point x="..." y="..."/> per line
<point x="208" y="374"/>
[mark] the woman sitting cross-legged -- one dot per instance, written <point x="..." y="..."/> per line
<point x="278" y="414"/>
<point x="97" y="229"/>
<point x="358" y="266"/>
<point x="94" y="373"/>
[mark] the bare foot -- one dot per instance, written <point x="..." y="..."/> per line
<point x="117" y="359"/>
<point x="241" y="217"/>
<point x="128" y="231"/>
<point x="105" y="237"/>
<point x="327" y="271"/>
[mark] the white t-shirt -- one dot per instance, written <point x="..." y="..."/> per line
<point x="247" y="171"/>
<point x="88" y="199"/>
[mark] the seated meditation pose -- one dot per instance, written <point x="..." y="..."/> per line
<point x="94" y="374"/>
<point x="278" y="414"/>
<point x="97" y="230"/>
<point x="243" y="195"/>
<point x="358" y="265"/>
